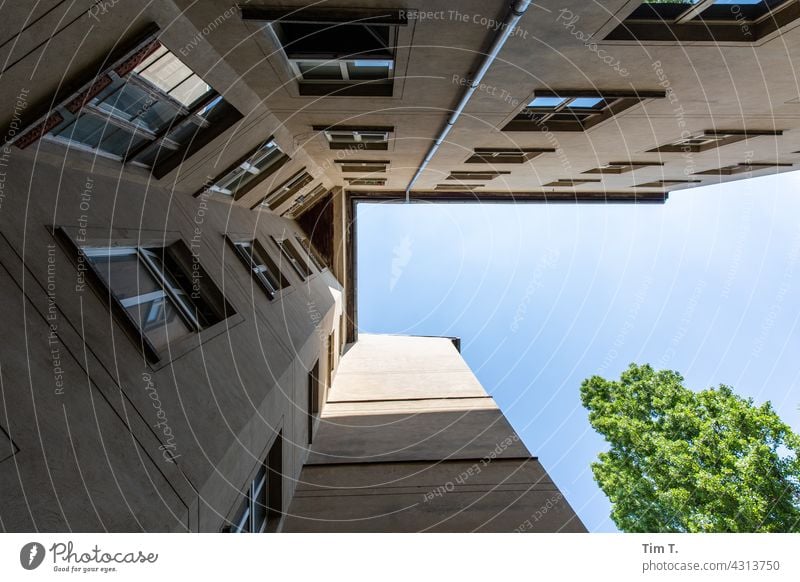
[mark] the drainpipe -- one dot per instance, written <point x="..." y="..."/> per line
<point x="518" y="8"/>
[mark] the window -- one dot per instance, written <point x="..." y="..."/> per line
<point x="356" y="138"/>
<point x="711" y="139"/>
<point x="336" y="50"/>
<point x="574" y="110"/>
<point x="261" y="266"/>
<point x="163" y="291"/>
<point x="571" y="182"/>
<point x="666" y="183"/>
<point x="621" y="167"/>
<point x="505" y="155"/>
<point x="262" y="506"/>
<point x="331" y="359"/>
<point x="286" y="191"/>
<point x="247" y="173"/>
<point x="487" y="175"/>
<point x="350" y="70"/>
<point x="291" y="254"/>
<point x="312" y="252"/>
<point x="458" y="187"/>
<point x="363" y="166"/>
<point x="744" y="168"/>
<point x="304" y="202"/>
<point x="366" y="181"/>
<point x="147" y="109"/>
<point x="314" y="394"/>
<point x="705" y="20"/>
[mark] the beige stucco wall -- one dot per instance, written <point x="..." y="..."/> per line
<point x="410" y="441"/>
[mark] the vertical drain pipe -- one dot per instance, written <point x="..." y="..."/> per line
<point x="518" y="8"/>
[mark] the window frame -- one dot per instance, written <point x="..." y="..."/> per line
<point x="259" y="176"/>
<point x="488" y="155"/>
<point x="326" y="18"/>
<point x="258" y="269"/>
<point x="74" y="240"/>
<point x="358" y="143"/>
<point x="713" y="138"/>
<point x="288" y="190"/>
<point x="690" y="25"/>
<point x="272" y="480"/>
<point x="543" y="118"/>
<point x="71" y="106"/>
<point x="297" y="262"/>
<point x="305" y="201"/>
<point x="615" y="168"/>
<point x="311" y="252"/>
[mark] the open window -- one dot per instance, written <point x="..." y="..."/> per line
<point x="621" y="167"/>
<point x="344" y="137"/>
<point x="706" y="20"/>
<point x="312" y="252"/>
<point x="261" y="507"/>
<point x="261" y="266"/>
<point x="362" y="166"/>
<point x="286" y="191"/>
<point x="505" y="155"/>
<point x="244" y="175"/>
<point x="668" y="183"/>
<point x="314" y="396"/>
<point x="476" y="174"/>
<point x="344" y="51"/>
<point x="713" y="138"/>
<point x="571" y="182"/>
<point x="149" y="109"/>
<point x="743" y="168"/>
<point x="294" y="257"/>
<point x="161" y="293"/>
<point x="305" y="201"/>
<point x="574" y="110"/>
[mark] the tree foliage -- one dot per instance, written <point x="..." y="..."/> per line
<point x="685" y="461"/>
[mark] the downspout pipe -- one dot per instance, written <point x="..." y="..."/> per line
<point x="518" y="8"/>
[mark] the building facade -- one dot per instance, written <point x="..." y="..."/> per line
<point x="178" y="185"/>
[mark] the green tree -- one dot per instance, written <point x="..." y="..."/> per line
<point x="685" y="461"/>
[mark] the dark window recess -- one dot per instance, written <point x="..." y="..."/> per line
<point x="476" y="175"/>
<point x="354" y="138"/>
<point x="148" y="109"/>
<point x="457" y="187"/>
<point x="294" y="257"/>
<point x="571" y="182"/>
<point x="363" y="166"/>
<point x="505" y="155"/>
<point x="621" y="167"/>
<point x="711" y="139"/>
<point x="706" y="20"/>
<point x="314" y="395"/>
<point x="261" y="508"/>
<point x="162" y="291"/>
<point x="304" y="202"/>
<point x="286" y="191"/>
<point x="343" y="51"/>
<point x="666" y="183"/>
<point x="574" y="110"/>
<point x="248" y="172"/>
<point x="743" y="168"/>
<point x="261" y="266"/>
<point x="312" y="252"/>
<point x="366" y="181"/>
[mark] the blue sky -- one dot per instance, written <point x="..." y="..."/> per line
<point x="544" y="296"/>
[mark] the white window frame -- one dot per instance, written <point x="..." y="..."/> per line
<point x="343" y="70"/>
<point x="178" y="297"/>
